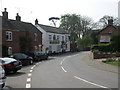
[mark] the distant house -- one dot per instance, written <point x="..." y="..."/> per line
<point x="54" y="40"/>
<point x="104" y="36"/>
<point x="18" y="36"/>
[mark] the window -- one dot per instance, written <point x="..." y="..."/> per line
<point x="104" y="38"/>
<point x="57" y="37"/>
<point x="9" y="50"/>
<point x="54" y="37"/>
<point x="62" y="38"/>
<point x="35" y="36"/>
<point x="8" y="36"/>
<point x="50" y="37"/>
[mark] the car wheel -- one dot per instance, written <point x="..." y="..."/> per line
<point x="3" y="85"/>
<point x="15" y="71"/>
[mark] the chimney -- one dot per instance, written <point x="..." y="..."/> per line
<point x="110" y="22"/>
<point x="5" y="13"/>
<point x="36" y="22"/>
<point x="18" y="18"/>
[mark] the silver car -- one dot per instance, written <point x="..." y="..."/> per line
<point x="2" y="76"/>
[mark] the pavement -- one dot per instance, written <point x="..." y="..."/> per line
<point x="97" y="63"/>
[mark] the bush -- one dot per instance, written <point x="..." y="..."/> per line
<point x="108" y="60"/>
<point x="102" y="48"/>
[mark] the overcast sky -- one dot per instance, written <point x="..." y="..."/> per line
<point x="29" y="10"/>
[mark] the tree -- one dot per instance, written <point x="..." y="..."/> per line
<point x="115" y="43"/>
<point x="76" y="25"/>
<point x="85" y="41"/>
<point x="104" y="21"/>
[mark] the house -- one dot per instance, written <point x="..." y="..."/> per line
<point x="54" y="40"/>
<point x="19" y="36"/>
<point x="104" y="36"/>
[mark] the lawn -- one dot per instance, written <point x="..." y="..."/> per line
<point x="116" y="63"/>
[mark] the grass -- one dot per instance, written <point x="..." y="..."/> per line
<point x="112" y="61"/>
<point x="116" y="63"/>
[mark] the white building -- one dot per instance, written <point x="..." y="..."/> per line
<point x="54" y="40"/>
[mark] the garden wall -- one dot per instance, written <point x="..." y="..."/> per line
<point x="105" y="55"/>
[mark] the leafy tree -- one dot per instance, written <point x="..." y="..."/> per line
<point x="85" y="41"/>
<point x="115" y="43"/>
<point x="76" y="25"/>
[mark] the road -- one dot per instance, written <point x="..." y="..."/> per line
<point x="68" y="70"/>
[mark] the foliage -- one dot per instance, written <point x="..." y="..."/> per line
<point x="115" y="43"/>
<point x="76" y="25"/>
<point x="25" y="44"/>
<point x="112" y="61"/>
<point x="102" y="47"/>
<point x="104" y="21"/>
<point x="93" y="35"/>
<point x="113" y="46"/>
<point x="85" y="41"/>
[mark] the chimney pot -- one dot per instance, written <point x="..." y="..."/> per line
<point x="5" y="13"/>
<point x="18" y="18"/>
<point x="110" y="22"/>
<point x="36" y="21"/>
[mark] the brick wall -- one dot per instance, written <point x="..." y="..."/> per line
<point x="15" y="43"/>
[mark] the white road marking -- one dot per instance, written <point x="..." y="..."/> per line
<point x="31" y="70"/>
<point x="32" y="67"/>
<point x="28" y="85"/>
<point x="61" y="63"/>
<point x="30" y="74"/>
<point x="69" y="56"/>
<point x="28" y="79"/>
<point x="63" y="69"/>
<point x="90" y="82"/>
<point x="74" y="55"/>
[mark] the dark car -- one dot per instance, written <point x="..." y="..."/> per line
<point x="25" y="59"/>
<point x="39" y="55"/>
<point x="11" y="64"/>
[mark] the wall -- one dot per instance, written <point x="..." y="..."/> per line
<point x="15" y="44"/>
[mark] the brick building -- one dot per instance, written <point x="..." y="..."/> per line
<point x="104" y="36"/>
<point x="18" y="36"/>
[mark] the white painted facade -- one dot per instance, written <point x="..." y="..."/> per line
<point x="52" y="42"/>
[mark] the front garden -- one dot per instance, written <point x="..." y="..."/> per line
<point x="112" y="61"/>
<point x="109" y="50"/>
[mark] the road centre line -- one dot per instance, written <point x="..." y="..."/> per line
<point x="28" y="79"/>
<point x="63" y="69"/>
<point x="81" y="78"/>
<point x="31" y="70"/>
<point x="29" y="74"/>
<point x="90" y="82"/>
<point x="28" y="85"/>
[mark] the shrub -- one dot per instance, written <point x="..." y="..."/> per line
<point x="108" y="60"/>
<point x="102" y="48"/>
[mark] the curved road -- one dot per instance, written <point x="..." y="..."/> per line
<point x="70" y="71"/>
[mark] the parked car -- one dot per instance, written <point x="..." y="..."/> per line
<point x="11" y="65"/>
<point x="38" y="55"/>
<point x="2" y="76"/>
<point x="25" y="59"/>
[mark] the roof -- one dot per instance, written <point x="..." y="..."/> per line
<point x="18" y="25"/>
<point x="107" y="31"/>
<point x="53" y="29"/>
